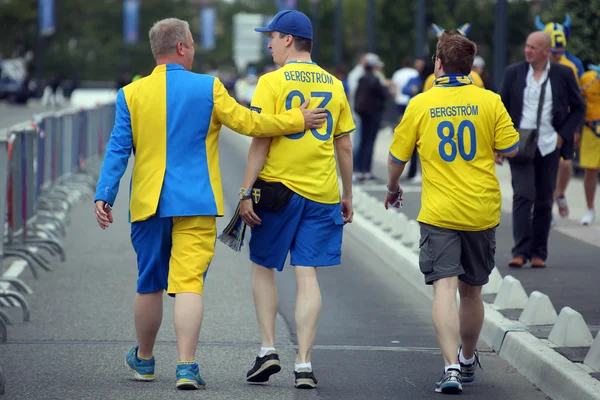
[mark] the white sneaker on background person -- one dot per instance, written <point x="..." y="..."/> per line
<point x="589" y="217"/>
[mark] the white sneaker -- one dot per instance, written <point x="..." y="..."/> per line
<point x="589" y="217"/>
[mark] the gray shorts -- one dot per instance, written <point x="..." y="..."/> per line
<point x="445" y="253"/>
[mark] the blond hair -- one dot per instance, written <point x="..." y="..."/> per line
<point x="166" y="34"/>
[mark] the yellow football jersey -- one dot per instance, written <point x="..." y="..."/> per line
<point x="305" y="161"/>
<point x="456" y="128"/>
<point x="590" y="88"/>
<point x="567" y="63"/>
<point x="477" y="81"/>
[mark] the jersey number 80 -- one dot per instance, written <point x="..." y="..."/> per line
<point x="446" y="131"/>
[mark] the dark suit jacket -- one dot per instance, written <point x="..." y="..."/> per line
<point x="568" y="106"/>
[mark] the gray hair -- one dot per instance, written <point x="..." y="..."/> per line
<point x="166" y="34"/>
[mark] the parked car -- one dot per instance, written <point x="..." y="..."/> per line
<point x="15" y="84"/>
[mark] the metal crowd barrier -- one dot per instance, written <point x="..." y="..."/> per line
<point x="46" y="166"/>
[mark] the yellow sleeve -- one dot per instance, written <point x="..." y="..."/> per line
<point x="428" y="82"/>
<point x="477" y="81"/>
<point x="250" y="123"/>
<point x="405" y="136"/>
<point x="345" y="124"/>
<point x="566" y="62"/>
<point x="263" y="99"/>
<point x="506" y="138"/>
<point x="574" y="68"/>
<point x="582" y="82"/>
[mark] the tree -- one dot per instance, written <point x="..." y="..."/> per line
<point x="88" y="39"/>
<point x="19" y="19"/>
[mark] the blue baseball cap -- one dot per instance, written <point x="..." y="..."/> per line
<point x="290" y="22"/>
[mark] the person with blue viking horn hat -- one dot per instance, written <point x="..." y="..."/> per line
<point x="552" y="28"/>
<point x="464" y="30"/>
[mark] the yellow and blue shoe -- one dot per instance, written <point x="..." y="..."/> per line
<point x="143" y="370"/>
<point x="188" y="377"/>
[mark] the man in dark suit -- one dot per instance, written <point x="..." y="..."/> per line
<point x="562" y="114"/>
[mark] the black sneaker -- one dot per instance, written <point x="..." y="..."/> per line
<point x="468" y="370"/>
<point x="451" y="382"/>
<point x="305" y="379"/>
<point x="264" y="367"/>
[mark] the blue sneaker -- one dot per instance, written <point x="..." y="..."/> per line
<point x="468" y="370"/>
<point x="143" y="370"/>
<point x="188" y="377"/>
<point x="451" y="382"/>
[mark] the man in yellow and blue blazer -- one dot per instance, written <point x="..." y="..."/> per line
<point x="171" y="120"/>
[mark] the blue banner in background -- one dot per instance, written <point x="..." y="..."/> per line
<point x="285" y="5"/>
<point x="131" y="21"/>
<point x="208" y="19"/>
<point x="46" y="17"/>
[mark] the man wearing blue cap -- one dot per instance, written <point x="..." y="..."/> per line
<point x="305" y="215"/>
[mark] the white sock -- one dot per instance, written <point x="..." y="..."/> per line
<point x="265" y="350"/>
<point x="303" y="365"/>
<point x="463" y="360"/>
<point x="453" y="366"/>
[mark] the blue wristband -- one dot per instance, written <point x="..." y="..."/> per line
<point x="390" y="192"/>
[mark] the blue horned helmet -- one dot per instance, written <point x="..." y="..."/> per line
<point x="463" y="29"/>
<point x="552" y="28"/>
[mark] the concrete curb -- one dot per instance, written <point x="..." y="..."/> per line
<point x="555" y="375"/>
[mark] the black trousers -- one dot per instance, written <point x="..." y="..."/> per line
<point x="369" y="128"/>
<point x="533" y="185"/>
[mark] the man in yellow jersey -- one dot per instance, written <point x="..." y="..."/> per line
<point x="463" y="30"/>
<point x="589" y="155"/>
<point x="456" y="128"/>
<point x="171" y="120"/>
<point x="565" y="167"/>
<point x="301" y="169"/>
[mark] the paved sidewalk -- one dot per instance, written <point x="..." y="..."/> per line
<point x="375" y="339"/>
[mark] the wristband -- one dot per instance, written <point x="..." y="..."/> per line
<point x="396" y="193"/>
<point x="245" y="194"/>
<point x="390" y="192"/>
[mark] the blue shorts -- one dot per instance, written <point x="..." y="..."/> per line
<point x="173" y="253"/>
<point x="311" y="232"/>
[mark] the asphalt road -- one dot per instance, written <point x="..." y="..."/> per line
<point x="11" y="114"/>
<point x="375" y="338"/>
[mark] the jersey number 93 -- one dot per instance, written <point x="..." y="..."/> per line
<point x="326" y="96"/>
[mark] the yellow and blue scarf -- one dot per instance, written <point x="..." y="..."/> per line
<point x="451" y="80"/>
<point x="233" y="234"/>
